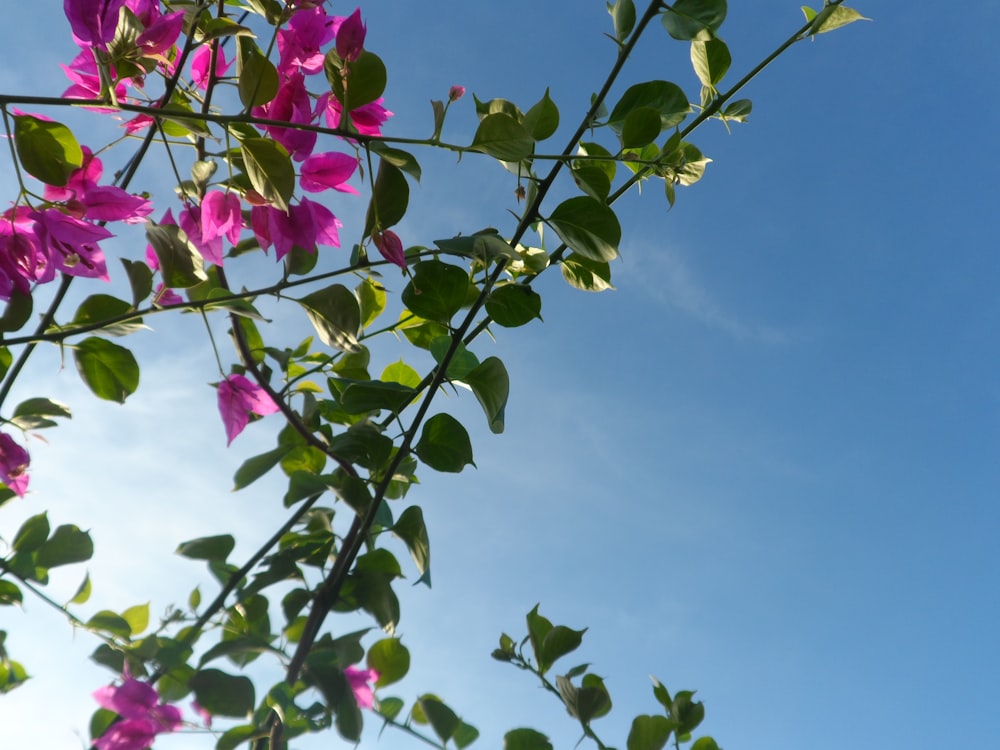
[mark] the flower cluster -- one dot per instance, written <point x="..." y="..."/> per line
<point x="143" y="715"/>
<point x="238" y="399"/>
<point x="14" y="462"/>
<point x="64" y="234"/>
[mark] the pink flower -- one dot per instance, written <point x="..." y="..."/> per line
<point x="160" y="34"/>
<point x="221" y="216"/>
<point x="70" y="244"/>
<point x="85" y="199"/>
<point x="93" y="21"/>
<point x="191" y="222"/>
<point x="238" y="399"/>
<point x="200" y="61"/>
<point x="325" y="171"/>
<point x="351" y="37"/>
<point x="302" y="39"/>
<point x="291" y="104"/>
<point x="306" y="225"/>
<point x="14" y="462"/>
<point x="455" y="93"/>
<point x="143" y="715"/>
<point x="367" y="119"/>
<point x="205" y="716"/>
<point x="358" y="680"/>
<point x="390" y="247"/>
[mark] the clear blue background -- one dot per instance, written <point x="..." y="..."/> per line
<point x="766" y="467"/>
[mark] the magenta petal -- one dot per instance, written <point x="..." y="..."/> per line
<point x="351" y="37"/>
<point x="221" y="216"/>
<point x="110" y="203"/>
<point x="328" y="171"/>
<point x="93" y="21"/>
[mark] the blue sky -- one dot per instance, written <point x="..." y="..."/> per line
<point x="766" y="467"/>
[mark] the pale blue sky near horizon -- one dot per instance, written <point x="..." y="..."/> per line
<point x="766" y="467"/>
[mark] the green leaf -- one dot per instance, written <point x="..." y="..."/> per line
<point x="137" y="618"/>
<point x="47" y="150"/>
<point x="465" y="735"/>
<point x="419" y="332"/>
<point x="258" y="78"/>
<point x="502" y="137"/>
<point x="593" y="180"/>
<point x="391" y="659"/>
<point x="491" y="386"/>
<point x="109" y="370"/>
<point x="17" y="311"/>
<point x="371" y="298"/>
<point x="542" y="120"/>
<point x="402" y="373"/>
<point x="462" y="362"/>
<point x="513" y="305"/>
<point x="223" y="695"/>
<point x="623" y="16"/>
<point x="390" y="198"/>
<point x="373" y="395"/>
<point x="649" y="733"/>
<point x="9" y="593"/>
<point x="558" y="642"/>
<point x="641" y="127"/>
<point x="106" y="621"/>
<point x="83" y="592"/>
<point x="711" y="61"/>
<point x="538" y="628"/>
<point x="442" y="719"/>
<point x="689" y="20"/>
<point x="831" y="17"/>
<point x="32" y="534"/>
<point x="208" y="547"/>
<point x="738" y="110"/>
<point x="270" y="170"/>
<point x="664" y="97"/>
<point x="233" y="738"/>
<point x="181" y="265"/>
<point x="485" y="246"/>
<point x="586" y="274"/>
<point x="357" y="83"/>
<point x="98" y="308"/>
<point x="411" y="529"/>
<point x="704" y="743"/>
<point x="34" y="413"/>
<point x="256" y="467"/>
<point x="593" y="700"/>
<point x="67" y="545"/>
<point x="397" y="158"/>
<point x="140" y="279"/>
<point x="336" y="316"/>
<point x="436" y="290"/>
<point x="588" y="227"/>
<point x="525" y="739"/>
<point x="444" y="444"/>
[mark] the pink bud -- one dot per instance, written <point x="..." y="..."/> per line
<point x="390" y="247"/>
<point x="455" y="93"/>
<point x="351" y="37"/>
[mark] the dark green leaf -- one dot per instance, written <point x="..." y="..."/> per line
<point x="689" y="20"/>
<point x="462" y="362"/>
<point x="106" y="621"/>
<point x="67" y="545"/>
<point x="419" y="332"/>
<point x="32" y="534"/>
<point x="35" y="413"/>
<point x="666" y="98"/>
<point x="140" y="279"/>
<point x="374" y="395"/>
<point x="491" y="386"/>
<point x="223" y="695"/>
<point x="208" y="547"/>
<point x="47" y="150"/>
<point x="397" y="158"/>
<point x="444" y="444"/>
<point x="336" y="316"/>
<point x="464" y="735"/>
<point x="411" y="529"/>
<point x="704" y="743"/>
<point x="390" y="198"/>
<point x="109" y="370"/>
<point x="181" y="265"/>
<point x="98" y="308"/>
<point x="588" y="226"/>
<point x="9" y="593"/>
<point x="623" y="16"/>
<point x="436" y="290"/>
<point x="513" y="305"/>
<point x="641" y="127"/>
<point x="649" y="733"/>
<point x="558" y="642"/>
<point x="711" y="61"/>
<point x="525" y="739"/>
<point x="256" y="467"/>
<point x="542" y="120"/>
<point x="17" y="311"/>
<point x="357" y="83"/>
<point x="258" y="83"/>
<point x="442" y="719"/>
<point x="270" y="170"/>
<point x="503" y="137"/>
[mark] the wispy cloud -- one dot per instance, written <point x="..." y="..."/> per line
<point x="664" y="276"/>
